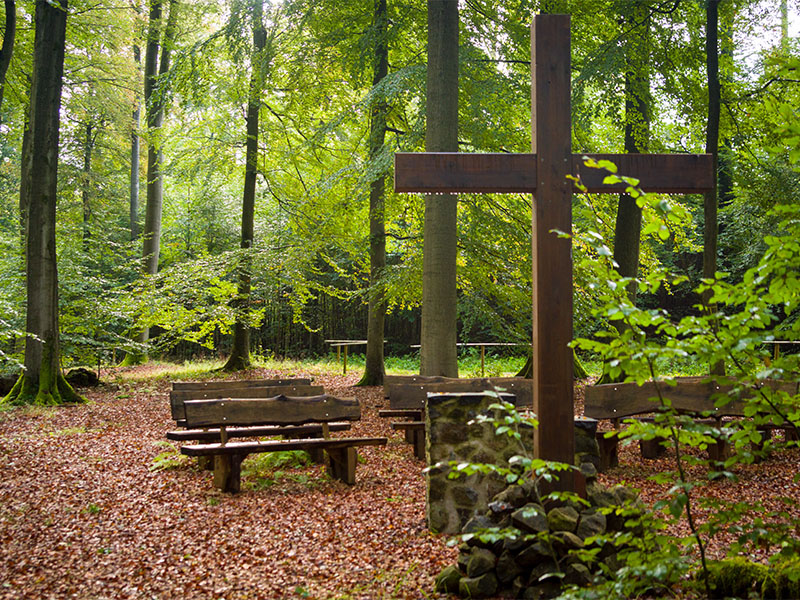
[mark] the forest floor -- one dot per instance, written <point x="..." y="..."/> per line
<point x="96" y="504"/>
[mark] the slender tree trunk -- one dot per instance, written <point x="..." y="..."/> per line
<point x="135" y="149"/>
<point x="88" y="147"/>
<point x="376" y="317"/>
<point x="24" y="184"/>
<point x="42" y="381"/>
<point x="240" y="353"/>
<point x="7" y="49"/>
<point x="439" y="296"/>
<point x="710" y="201"/>
<point x="155" y="101"/>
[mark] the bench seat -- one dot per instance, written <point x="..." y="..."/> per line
<point x="212" y="435"/>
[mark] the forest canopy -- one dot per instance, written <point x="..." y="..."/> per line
<point x="160" y="96"/>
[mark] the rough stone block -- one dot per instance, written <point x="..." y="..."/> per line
<point x="507" y="567"/>
<point x="530" y="517"/>
<point x="480" y="561"/>
<point x="447" y="581"/>
<point x="591" y="524"/>
<point x="484" y="586"/>
<point x="563" y="518"/>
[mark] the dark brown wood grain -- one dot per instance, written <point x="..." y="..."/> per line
<point x="691" y="395"/>
<point x="516" y="173"/>
<point x="178" y="397"/>
<point x="279" y="410"/>
<point x="294" y="431"/>
<point x="552" y="255"/>
<point x="244" y="448"/>
<point x="544" y="172"/>
<point x="237" y="383"/>
<point x="412" y="396"/>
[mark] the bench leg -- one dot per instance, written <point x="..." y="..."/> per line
<point x="418" y="440"/>
<point x="342" y="464"/>
<point x="227" y="472"/>
<point x="609" y="450"/>
<point x="652" y="448"/>
<point x="719" y="451"/>
<point x="409" y="434"/>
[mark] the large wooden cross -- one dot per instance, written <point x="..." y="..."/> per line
<point x="544" y="173"/>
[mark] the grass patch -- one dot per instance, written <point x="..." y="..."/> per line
<point x="169" y="460"/>
<point x="261" y="471"/>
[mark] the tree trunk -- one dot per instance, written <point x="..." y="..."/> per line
<point x="88" y="147"/>
<point x="7" y="49"/>
<point x="627" y="232"/>
<point x="439" y="297"/>
<point x="374" y="369"/>
<point x="710" y="202"/>
<point x="42" y="381"/>
<point x="155" y="102"/>
<point x="135" y="149"/>
<point x="628" y="226"/>
<point x="240" y="353"/>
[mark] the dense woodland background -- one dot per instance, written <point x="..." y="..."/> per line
<point x="311" y="70"/>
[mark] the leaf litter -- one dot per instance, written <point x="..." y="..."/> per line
<point x="84" y="513"/>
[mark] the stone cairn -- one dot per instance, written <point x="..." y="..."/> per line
<point x="522" y="565"/>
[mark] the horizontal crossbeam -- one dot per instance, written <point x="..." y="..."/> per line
<point x="451" y="172"/>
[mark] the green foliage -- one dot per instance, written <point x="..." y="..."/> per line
<point x="783" y="579"/>
<point x="170" y="459"/>
<point x="760" y="308"/>
<point x="264" y="470"/>
<point x="736" y="577"/>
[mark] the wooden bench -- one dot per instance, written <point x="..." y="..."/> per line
<point x="692" y="395"/>
<point x="412" y="395"/>
<point x="235" y="383"/>
<point x="177" y="397"/>
<point x="279" y="411"/>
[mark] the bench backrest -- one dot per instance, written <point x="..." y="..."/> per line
<point x="279" y="410"/>
<point x="694" y="395"/>
<point x="178" y="397"/>
<point x="412" y="395"/>
<point x="237" y="383"/>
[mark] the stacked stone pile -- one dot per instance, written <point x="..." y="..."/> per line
<point x="524" y="566"/>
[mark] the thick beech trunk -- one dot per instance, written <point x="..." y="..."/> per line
<point x="42" y="381"/>
<point x="240" y="353"/>
<point x="439" y="297"/>
<point x="374" y="366"/>
<point x="627" y="232"/>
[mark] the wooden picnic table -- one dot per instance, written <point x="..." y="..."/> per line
<point x="482" y="346"/>
<point x="339" y="344"/>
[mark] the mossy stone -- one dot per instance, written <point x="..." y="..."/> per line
<point x="562" y="518"/>
<point x="530" y="517"/>
<point x="591" y="524"/>
<point x="484" y="586"/>
<point x="447" y="581"/>
<point x="480" y="561"/>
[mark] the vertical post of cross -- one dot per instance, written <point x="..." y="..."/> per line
<point x="552" y="255"/>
